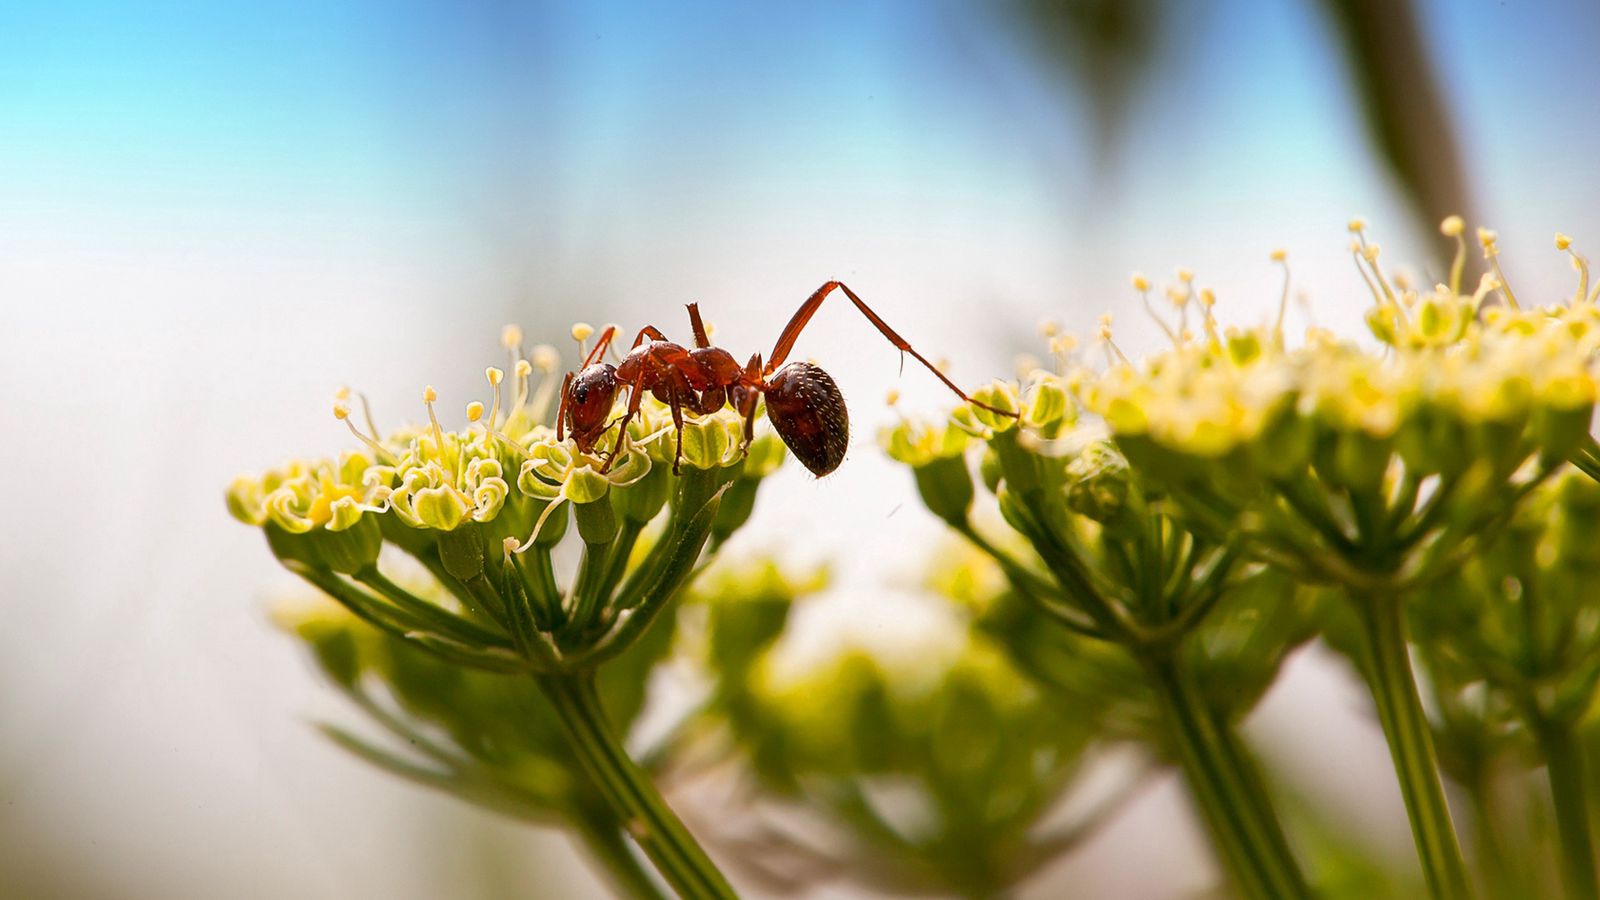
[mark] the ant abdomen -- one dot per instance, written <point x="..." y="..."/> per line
<point x="808" y="412"/>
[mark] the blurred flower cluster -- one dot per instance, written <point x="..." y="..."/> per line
<point x="1210" y="508"/>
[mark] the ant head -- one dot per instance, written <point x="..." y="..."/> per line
<point x="808" y="412"/>
<point x="588" y="404"/>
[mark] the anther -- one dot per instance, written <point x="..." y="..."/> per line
<point x="545" y="358"/>
<point x="580" y="333"/>
<point x="511" y="337"/>
<point x="341" y="411"/>
<point x="1491" y="252"/>
<point x="1579" y="262"/>
<point x="429" y="395"/>
<point x="474" y="410"/>
<point x="1281" y="257"/>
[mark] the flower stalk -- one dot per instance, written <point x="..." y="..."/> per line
<point x="1226" y="789"/>
<point x="1411" y="744"/>
<point x="645" y="816"/>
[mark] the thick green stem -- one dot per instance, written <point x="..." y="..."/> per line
<point x="628" y="791"/>
<point x="1227" y="791"/>
<point x="1411" y="745"/>
<point x="604" y="841"/>
<point x="1564" y="763"/>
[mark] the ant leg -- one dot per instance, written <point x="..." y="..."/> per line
<point x="803" y="315"/>
<point x="701" y="338"/>
<point x="676" y="405"/>
<point x="635" y="396"/>
<point x="649" y="331"/>
<point x="561" y="411"/>
<point x="747" y="405"/>
<point x="599" y="347"/>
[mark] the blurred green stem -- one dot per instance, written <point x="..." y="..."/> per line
<point x="1411" y="744"/>
<point x="1228" y="792"/>
<point x="1499" y="867"/>
<point x="1568" y="790"/>
<point x="627" y="789"/>
<point x="604" y="841"/>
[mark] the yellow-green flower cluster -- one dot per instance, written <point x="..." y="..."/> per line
<point x="484" y="505"/>
<point x="310" y="494"/>
<point x="428" y="477"/>
<point x="1449" y="388"/>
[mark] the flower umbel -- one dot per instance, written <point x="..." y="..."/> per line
<point x="482" y="509"/>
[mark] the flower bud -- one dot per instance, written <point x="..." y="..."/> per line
<point x="441" y="508"/>
<point x="946" y="488"/>
<point x="709" y="442"/>
<point x="1383" y="321"/>
<point x="1049" y="406"/>
<point x="1098" y="483"/>
<point x="644" y="498"/>
<point x="1432" y="440"/>
<point x="584" y="484"/>
<point x="597" y="521"/>
<point x="351" y="549"/>
<point x="1243" y="345"/>
<point x="989" y="469"/>
<point x="463" y="552"/>
<point x="1000" y="395"/>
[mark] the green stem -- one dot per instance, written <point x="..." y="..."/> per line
<point x="1568" y="789"/>
<point x="602" y="837"/>
<point x="628" y="791"/>
<point x="1411" y="745"/>
<point x="1228" y="792"/>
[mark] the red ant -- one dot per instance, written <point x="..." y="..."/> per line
<point x="803" y="403"/>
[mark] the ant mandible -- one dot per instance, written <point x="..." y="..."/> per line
<point x="803" y="402"/>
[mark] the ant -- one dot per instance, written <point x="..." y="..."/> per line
<point x="803" y="403"/>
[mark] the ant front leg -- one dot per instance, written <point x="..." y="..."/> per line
<point x="635" y="396"/>
<point x="803" y="315"/>
<point x="561" y="411"/>
<point x="599" y="347"/>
